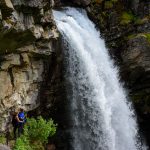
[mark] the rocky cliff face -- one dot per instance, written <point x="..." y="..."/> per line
<point x="125" y="25"/>
<point x="27" y="43"/>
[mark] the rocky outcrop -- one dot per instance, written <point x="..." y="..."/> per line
<point x="27" y="43"/>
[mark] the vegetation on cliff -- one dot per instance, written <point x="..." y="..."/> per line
<point x="36" y="133"/>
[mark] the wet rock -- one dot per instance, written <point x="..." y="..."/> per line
<point x="4" y="147"/>
<point x="82" y="2"/>
<point x="137" y="52"/>
<point x="50" y="147"/>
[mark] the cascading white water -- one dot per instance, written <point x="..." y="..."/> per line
<point x="101" y="116"/>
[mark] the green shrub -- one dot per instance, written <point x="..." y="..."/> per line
<point x="36" y="133"/>
<point x="2" y="139"/>
<point x="40" y="129"/>
<point x="127" y="17"/>
<point x="22" y="143"/>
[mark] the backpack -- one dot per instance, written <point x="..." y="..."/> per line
<point x="21" y="116"/>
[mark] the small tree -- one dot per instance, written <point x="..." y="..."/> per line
<point x="36" y="133"/>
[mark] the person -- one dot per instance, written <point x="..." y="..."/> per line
<point x="18" y="120"/>
<point x="21" y="119"/>
<point x="15" y="123"/>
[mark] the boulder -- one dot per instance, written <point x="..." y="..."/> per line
<point x="4" y="147"/>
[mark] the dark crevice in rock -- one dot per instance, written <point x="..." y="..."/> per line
<point x="11" y="76"/>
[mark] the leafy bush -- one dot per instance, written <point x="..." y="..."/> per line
<point x="2" y="139"/>
<point x="22" y="143"/>
<point x="127" y="17"/>
<point x="36" y="133"/>
<point x="40" y="129"/>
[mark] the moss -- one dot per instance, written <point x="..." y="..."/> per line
<point x="2" y="139"/>
<point x="12" y="40"/>
<point x="126" y="18"/>
<point x="141" y="21"/>
<point x="108" y="4"/>
<point x="147" y="36"/>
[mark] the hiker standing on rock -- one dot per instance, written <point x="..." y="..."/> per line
<point x="21" y="121"/>
<point x="18" y="122"/>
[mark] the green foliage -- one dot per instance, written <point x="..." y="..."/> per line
<point x="127" y="17"/>
<point x="131" y="36"/>
<point x="141" y="21"/>
<point x="37" y="145"/>
<point x="40" y="129"/>
<point x="2" y="139"/>
<point x="145" y="35"/>
<point x="108" y="4"/>
<point x="22" y="143"/>
<point x="36" y="133"/>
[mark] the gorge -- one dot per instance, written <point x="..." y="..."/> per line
<point x="31" y="57"/>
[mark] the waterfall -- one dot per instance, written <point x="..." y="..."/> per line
<point x="102" y="117"/>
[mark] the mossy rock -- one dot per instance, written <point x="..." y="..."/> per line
<point x="127" y="18"/>
<point x="140" y="21"/>
<point x="145" y="35"/>
<point x="12" y="40"/>
<point x="2" y="139"/>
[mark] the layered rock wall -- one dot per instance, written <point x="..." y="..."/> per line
<point x="28" y="37"/>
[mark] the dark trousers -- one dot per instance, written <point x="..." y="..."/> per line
<point x="20" y="129"/>
<point x="15" y="130"/>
